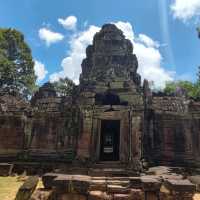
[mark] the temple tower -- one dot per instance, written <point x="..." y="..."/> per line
<point x="111" y="100"/>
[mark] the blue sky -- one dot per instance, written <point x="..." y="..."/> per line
<point x="163" y="33"/>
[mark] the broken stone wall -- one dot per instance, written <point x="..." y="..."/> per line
<point x="11" y="135"/>
<point x="172" y="132"/>
<point x="47" y="129"/>
<point x="13" y="111"/>
<point x="54" y="129"/>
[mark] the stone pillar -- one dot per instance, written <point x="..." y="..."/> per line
<point x="151" y="187"/>
<point x="135" y="136"/>
<point x="84" y="140"/>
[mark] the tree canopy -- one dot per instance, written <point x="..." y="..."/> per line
<point x="16" y="63"/>
<point x="186" y="88"/>
<point x="64" y="87"/>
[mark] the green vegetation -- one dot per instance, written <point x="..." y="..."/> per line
<point x="64" y="87"/>
<point x="16" y="63"/>
<point x="187" y="88"/>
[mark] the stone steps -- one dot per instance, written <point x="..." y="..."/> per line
<point x="109" y="164"/>
<point x="112" y="172"/>
<point x="105" y="187"/>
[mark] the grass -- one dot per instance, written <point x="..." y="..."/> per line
<point x="9" y="187"/>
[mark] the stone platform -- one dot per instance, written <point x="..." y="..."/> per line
<point x="144" y="187"/>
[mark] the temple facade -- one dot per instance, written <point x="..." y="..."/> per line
<point x="114" y="117"/>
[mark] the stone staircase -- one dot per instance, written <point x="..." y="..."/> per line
<point x="110" y="169"/>
<point x="118" y="187"/>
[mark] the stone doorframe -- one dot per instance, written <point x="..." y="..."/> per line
<point x="120" y="115"/>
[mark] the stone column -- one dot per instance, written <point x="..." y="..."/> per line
<point x="84" y="141"/>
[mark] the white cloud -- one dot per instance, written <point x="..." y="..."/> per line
<point x="149" y="56"/>
<point x="71" y="65"/>
<point x="68" y="23"/>
<point x="150" y="60"/>
<point x="40" y="70"/>
<point x="185" y="9"/>
<point x="147" y="41"/>
<point x="145" y="48"/>
<point x="49" y="36"/>
<point x="127" y="29"/>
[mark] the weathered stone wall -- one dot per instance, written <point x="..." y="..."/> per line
<point x="162" y="129"/>
<point x="13" y="111"/>
<point x="173" y="131"/>
<point x="11" y="135"/>
<point x="54" y="128"/>
<point x="45" y="130"/>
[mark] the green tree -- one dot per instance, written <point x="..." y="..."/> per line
<point x="185" y="87"/>
<point x="64" y="87"/>
<point x="170" y="87"/>
<point x="198" y="75"/>
<point x="16" y="63"/>
<point x="198" y="31"/>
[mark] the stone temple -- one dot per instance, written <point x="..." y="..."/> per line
<point x="113" y="117"/>
<point x="114" y="121"/>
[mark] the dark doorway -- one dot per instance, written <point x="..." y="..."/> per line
<point x="110" y="140"/>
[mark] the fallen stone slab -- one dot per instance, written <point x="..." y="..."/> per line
<point x="180" y="185"/>
<point x="47" y="180"/>
<point x="195" y="180"/>
<point x="72" y="183"/>
<point x="27" y="189"/>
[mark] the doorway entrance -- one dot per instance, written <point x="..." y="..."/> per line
<point x="110" y="140"/>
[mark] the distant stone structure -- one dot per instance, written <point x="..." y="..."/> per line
<point x="113" y="117"/>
